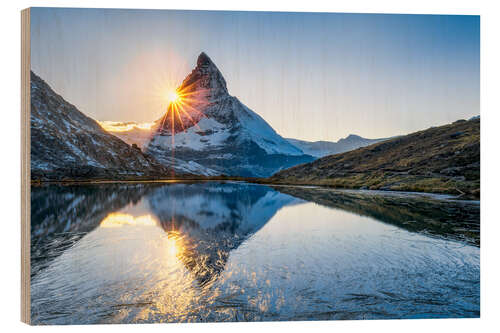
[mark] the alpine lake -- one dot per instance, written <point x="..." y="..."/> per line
<point x="235" y="251"/>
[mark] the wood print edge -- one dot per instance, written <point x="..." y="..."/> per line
<point x="25" y="166"/>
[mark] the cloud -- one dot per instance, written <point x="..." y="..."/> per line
<point x="120" y="126"/>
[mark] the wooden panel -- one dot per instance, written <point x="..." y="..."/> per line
<point x="25" y="166"/>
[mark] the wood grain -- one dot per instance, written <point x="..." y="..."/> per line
<point x="25" y="166"/>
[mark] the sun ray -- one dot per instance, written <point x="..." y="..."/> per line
<point x="185" y="105"/>
<point x="188" y="88"/>
<point x="190" y="107"/>
<point x="189" y="116"/>
<point x="186" y="92"/>
<point x="163" y="119"/>
<point x="172" y="133"/>
<point x="179" y="116"/>
<point x="194" y="101"/>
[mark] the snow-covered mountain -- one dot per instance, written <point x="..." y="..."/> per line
<point x="66" y="144"/>
<point x="213" y="129"/>
<point x="324" y="148"/>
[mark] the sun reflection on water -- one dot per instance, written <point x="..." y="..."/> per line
<point x="170" y="289"/>
<point x="178" y="269"/>
<point x="115" y="220"/>
<point x="174" y="244"/>
<point x="172" y="241"/>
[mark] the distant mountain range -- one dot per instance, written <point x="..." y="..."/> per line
<point x="444" y="159"/>
<point x="323" y="148"/>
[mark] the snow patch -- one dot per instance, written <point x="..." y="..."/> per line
<point x="207" y="133"/>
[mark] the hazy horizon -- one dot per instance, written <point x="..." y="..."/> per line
<point x="311" y="76"/>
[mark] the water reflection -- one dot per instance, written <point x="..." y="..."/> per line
<point x="214" y="219"/>
<point x="61" y="215"/>
<point x="229" y="251"/>
<point x="116" y="220"/>
<point x="450" y="219"/>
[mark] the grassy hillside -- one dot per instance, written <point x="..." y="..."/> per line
<point x="442" y="159"/>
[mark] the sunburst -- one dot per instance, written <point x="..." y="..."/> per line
<point x="172" y="97"/>
<point x="185" y="108"/>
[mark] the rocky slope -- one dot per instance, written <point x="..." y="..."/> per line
<point x="66" y="144"/>
<point x="213" y="129"/>
<point x="324" y="148"/>
<point x="442" y="159"/>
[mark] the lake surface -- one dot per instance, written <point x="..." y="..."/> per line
<point x="198" y="252"/>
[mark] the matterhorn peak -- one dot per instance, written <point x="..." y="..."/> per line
<point x="209" y="128"/>
<point x="203" y="59"/>
<point x="205" y="77"/>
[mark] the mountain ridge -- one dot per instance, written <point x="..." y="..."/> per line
<point x="323" y="148"/>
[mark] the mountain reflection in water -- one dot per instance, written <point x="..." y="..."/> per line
<point x="237" y="252"/>
<point x="213" y="220"/>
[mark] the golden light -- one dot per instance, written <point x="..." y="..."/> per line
<point x="117" y="126"/>
<point x="173" y="243"/>
<point x="171" y="247"/>
<point x="180" y="103"/>
<point x="184" y="109"/>
<point x="173" y="97"/>
<point x="184" y="105"/>
<point x="145" y="126"/>
<point x="115" y="220"/>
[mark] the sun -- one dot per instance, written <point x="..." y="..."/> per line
<point x="184" y="107"/>
<point x="173" y="97"/>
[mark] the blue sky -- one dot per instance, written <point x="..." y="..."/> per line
<point x="312" y="76"/>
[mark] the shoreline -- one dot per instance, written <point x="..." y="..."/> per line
<point x="260" y="181"/>
<point x="134" y="181"/>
